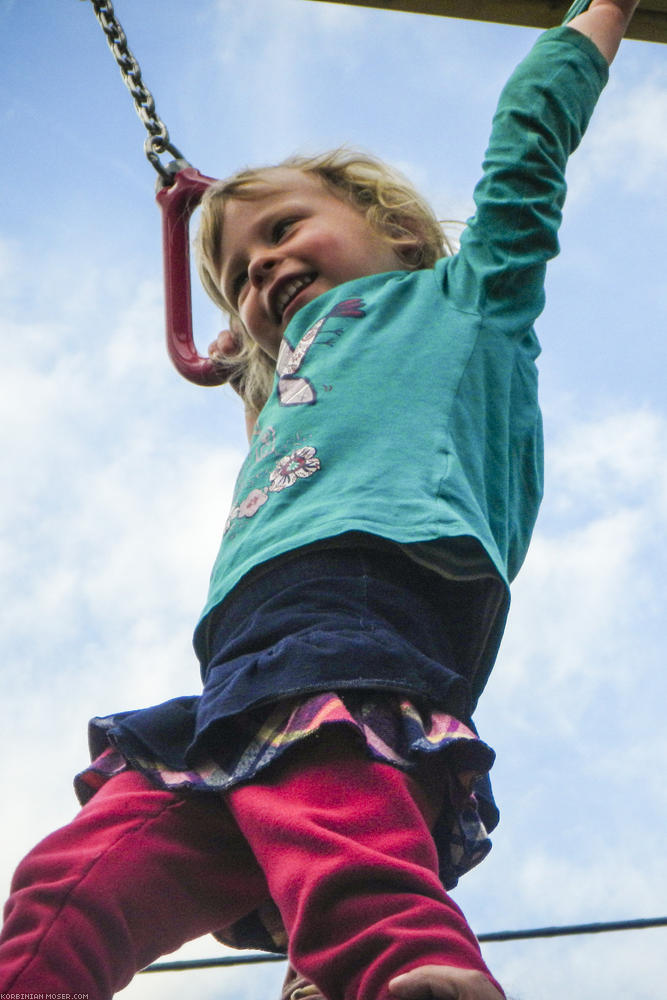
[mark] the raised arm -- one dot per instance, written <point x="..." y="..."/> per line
<point x="605" y="23"/>
<point x="542" y="114"/>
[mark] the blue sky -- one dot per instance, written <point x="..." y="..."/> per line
<point x="117" y="474"/>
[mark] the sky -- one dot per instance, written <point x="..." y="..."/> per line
<point x="117" y="474"/>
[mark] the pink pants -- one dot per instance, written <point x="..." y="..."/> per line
<point x="341" y="843"/>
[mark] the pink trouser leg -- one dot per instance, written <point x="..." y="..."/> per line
<point x="348" y="858"/>
<point x="136" y="874"/>
<point x="353" y="868"/>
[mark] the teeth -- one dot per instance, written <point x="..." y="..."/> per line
<point x="290" y="290"/>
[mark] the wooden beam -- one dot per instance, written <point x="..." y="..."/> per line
<point x="649" y="23"/>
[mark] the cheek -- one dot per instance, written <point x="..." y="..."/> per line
<point x="324" y="246"/>
<point x="372" y="253"/>
<point x="251" y="320"/>
<point x="346" y="256"/>
<point x="260" y="330"/>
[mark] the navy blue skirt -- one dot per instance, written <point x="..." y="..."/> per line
<point x="327" y="618"/>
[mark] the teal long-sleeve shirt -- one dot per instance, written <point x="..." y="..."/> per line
<point x="405" y="404"/>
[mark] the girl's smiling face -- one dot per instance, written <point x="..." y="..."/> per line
<point x="284" y="247"/>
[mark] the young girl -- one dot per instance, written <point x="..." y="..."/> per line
<point x="328" y="781"/>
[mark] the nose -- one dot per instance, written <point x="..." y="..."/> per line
<point x="260" y="266"/>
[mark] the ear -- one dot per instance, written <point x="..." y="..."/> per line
<point x="408" y="239"/>
<point x="410" y="251"/>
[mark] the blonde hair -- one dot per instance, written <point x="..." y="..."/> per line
<point x="389" y="203"/>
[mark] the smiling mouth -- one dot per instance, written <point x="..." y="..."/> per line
<point x="290" y="291"/>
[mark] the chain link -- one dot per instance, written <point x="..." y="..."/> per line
<point x="157" y="141"/>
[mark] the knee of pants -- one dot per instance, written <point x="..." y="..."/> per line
<point x="137" y="873"/>
<point x="330" y="817"/>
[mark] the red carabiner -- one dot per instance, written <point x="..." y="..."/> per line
<point x="177" y="203"/>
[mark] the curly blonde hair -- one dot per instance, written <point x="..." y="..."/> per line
<point x="389" y="202"/>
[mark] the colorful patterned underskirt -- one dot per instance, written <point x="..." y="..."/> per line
<point x="393" y="731"/>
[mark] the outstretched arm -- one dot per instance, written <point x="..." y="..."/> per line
<point x="605" y="23"/>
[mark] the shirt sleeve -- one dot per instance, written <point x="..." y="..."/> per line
<point x="542" y="115"/>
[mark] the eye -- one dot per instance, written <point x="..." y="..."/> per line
<point x="281" y="228"/>
<point x="238" y="283"/>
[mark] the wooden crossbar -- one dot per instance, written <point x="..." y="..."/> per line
<point x="649" y="23"/>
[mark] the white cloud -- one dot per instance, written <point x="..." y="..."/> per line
<point x="627" y="141"/>
<point x="595" y="563"/>
<point x="607" y="965"/>
<point x="617" y="457"/>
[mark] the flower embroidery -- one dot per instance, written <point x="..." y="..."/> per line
<point x="252" y="503"/>
<point x="301" y="464"/>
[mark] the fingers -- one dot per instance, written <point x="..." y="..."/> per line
<point x="223" y="345"/>
<point x="228" y="342"/>
<point x="224" y="351"/>
<point x="442" y="982"/>
<point x="416" y="985"/>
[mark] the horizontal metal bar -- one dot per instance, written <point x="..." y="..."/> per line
<point x="250" y="958"/>
<point x="521" y="935"/>
<point x="570" y="929"/>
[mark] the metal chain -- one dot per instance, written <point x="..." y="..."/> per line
<point x="157" y="141"/>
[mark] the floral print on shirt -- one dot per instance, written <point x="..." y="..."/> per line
<point x="299" y="464"/>
<point x="293" y="389"/>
